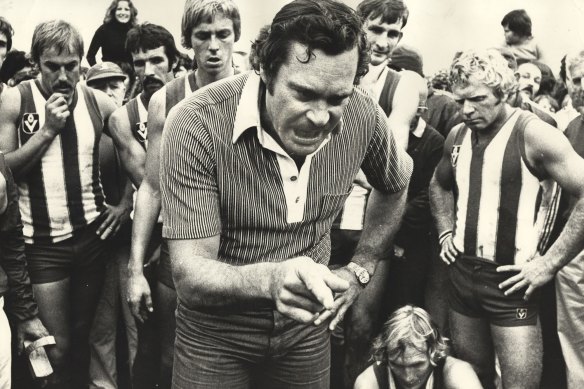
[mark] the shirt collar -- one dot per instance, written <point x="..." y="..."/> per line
<point x="419" y="131"/>
<point x="248" y="112"/>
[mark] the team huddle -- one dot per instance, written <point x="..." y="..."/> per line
<point x="313" y="214"/>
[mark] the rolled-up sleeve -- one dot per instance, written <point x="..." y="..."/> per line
<point x="14" y="282"/>
<point x="188" y="182"/>
<point x="386" y="165"/>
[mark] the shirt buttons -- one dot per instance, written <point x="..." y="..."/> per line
<point x="293" y="178"/>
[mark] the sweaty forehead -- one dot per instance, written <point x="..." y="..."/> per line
<point x="59" y="56"/>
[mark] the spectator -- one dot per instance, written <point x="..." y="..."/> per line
<point x="17" y="67"/>
<point x="120" y="16"/>
<point x="517" y="27"/>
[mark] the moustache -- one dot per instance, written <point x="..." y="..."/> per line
<point x="148" y="80"/>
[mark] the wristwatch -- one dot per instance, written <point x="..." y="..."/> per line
<point x="360" y="272"/>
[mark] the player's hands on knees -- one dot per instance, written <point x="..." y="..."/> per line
<point x="343" y="300"/>
<point x="56" y="113"/>
<point x="301" y="288"/>
<point x="448" y="252"/>
<point x="139" y="296"/>
<point x="532" y="275"/>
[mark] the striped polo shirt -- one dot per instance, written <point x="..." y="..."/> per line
<point x="222" y="174"/>
<point x="501" y="205"/>
<point x="62" y="193"/>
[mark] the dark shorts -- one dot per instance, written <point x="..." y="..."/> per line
<point x="81" y="253"/>
<point x="474" y="292"/>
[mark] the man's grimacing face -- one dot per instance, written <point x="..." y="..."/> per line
<point x="477" y="103"/>
<point x="307" y="98"/>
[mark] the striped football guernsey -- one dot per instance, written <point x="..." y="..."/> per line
<point x="63" y="192"/>
<point x="501" y="206"/>
<point x="176" y="90"/>
<point x="138" y="118"/>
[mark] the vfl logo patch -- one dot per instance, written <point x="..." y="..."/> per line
<point x="521" y="313"/>
<point x="454" y="155"/>
<point x="141" y="131"/>
<point x="30" y="123"/>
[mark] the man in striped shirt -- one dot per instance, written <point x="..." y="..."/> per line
<point x="50" y="130"/>
<point x="254" y="170"/>
<point x="485" y="197"/>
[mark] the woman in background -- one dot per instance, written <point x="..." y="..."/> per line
<point x="111" y="35"/>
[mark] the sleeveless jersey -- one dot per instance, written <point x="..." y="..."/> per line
<point x="352" y="215"/>
<point x="62" y="193"/>
<point x="501" y="205"/>
<point x="138" y="117"/>
<point x="178" y="89"/>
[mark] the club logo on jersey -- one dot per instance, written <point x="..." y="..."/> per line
<point x="141" y="131"/>
<point x="454" y="155"/>
<point x="521" y="313"/>
<point x="30" y="123"/>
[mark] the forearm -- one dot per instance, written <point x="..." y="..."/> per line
<point x="19" y="297"/>
<point x="133" y="162"/>
<point x="21" y="160"/>
<point x="570" y="243"/>
<point x="145" y="219"/>
<point x="442" y="207"/>
<point x="205" y="282"/>
<point x="382" y="220"/>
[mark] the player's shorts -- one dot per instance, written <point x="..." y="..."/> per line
<point x="474" y="292"/>
<point x="81" y="253"/>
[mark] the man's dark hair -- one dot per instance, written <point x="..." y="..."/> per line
<point x="6" y="29"/>
<point x="325" y="25"/>
<point x="148" y="36"/>
<point x="389" y="10"/>
<point x="519" y="22"/>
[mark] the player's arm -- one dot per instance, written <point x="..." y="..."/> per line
<point x="404" y="106"/>
<point x="20" y="160"/>
<point x="131" y="152"/>
<point x="146" y="211"/>
<point x="367" y="380"/>
<point x="442" y="201"/>
<point x="550" y="152"/>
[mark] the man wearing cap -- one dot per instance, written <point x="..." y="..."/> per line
<point x="109" y="78"/>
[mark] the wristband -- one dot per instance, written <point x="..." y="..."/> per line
<point x="443" y="236"/>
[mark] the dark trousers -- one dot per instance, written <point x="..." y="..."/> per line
<point x="259" y="349"/>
